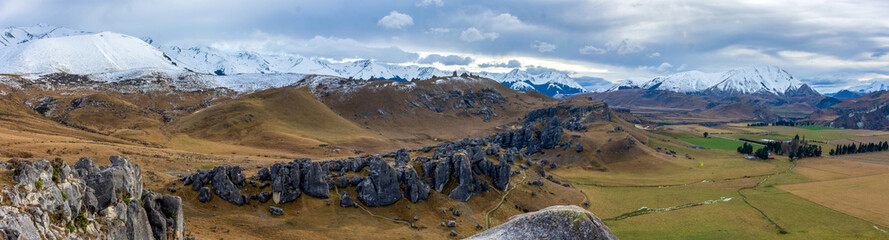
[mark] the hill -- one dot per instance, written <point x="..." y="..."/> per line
<point x="83" y="54"/>
<point x="864" y="112"/>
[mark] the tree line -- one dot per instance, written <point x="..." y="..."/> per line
<point x="862" y="148"/>
<point x="796" y="148"/>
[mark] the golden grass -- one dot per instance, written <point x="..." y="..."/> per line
<point x="863" y="197"/>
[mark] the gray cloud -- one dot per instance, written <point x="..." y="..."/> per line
<point x="509" y="64"/>
<point x="449" y="60"/>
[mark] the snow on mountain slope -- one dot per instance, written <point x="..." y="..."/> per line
<point x="214" y="61"/>
<point x="872" y="86"/>
<point x="82" y="54"/>
<point x="758" y="80"/>
<point x="16" y="35"/>
<point x="87" y="55"/>
<point x="767" y="79"/>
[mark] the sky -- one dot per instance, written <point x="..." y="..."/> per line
<point x="830" y="45"/>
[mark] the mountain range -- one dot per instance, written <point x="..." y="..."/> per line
<point x="46" y="49"/>
<point x="748" y="80"/>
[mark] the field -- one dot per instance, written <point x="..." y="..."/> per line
<point x="858" y="196"/>
<point x="714" y="143"/>
<point x="733" y="198"/>
<point x="817" y="128"/>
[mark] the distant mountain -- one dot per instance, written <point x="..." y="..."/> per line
<point x="213" y="61"/>
<point x="847" y="94"/>
<point x="16" y="35"/>
<point x="865" y="87"/>
<point x="83" y="54"/>
<point x="748" y="80"/>
<point x="868" y="111"/>
<point x="209" y="60"/>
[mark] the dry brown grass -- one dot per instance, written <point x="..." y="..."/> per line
<point x="862" y="197"/>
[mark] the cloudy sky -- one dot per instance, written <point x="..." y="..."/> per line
<point x="829" y="44"/>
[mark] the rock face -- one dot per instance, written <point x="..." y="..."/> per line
<point x="556" y="222"/>
<point x="314" y="180"/>
<point x="99" y="202"/>
<point x="381" y="187"/>
<point x="226" y="179"/>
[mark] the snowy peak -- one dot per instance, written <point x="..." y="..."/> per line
<point x="749" y="80"/>
<point x="210" y="60"/>
<point x="870" y="86"/>
<point x="17" y="35"/>
<point x="768" y="79"/>
<point x="47" y="49"/>
<point x="83" y="54"/>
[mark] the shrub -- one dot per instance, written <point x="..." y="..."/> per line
<point x="39" y="185"/>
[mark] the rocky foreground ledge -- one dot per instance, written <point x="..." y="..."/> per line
<point x="556" y="222"/>
<point x="52" y="200"/>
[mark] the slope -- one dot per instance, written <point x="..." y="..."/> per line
<point x="280" y="118"/>
<point x="83" y="54"/>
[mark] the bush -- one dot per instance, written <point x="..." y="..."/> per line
<point x="80" y="221"/>
<point x="39" y="185"/>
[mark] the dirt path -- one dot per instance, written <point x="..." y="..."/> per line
<point x="502" y="200"/>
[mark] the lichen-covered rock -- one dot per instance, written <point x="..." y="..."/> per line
<point x="556" y="222"/>
<point x="120" y="182"/>
<point x="106" y="198"/>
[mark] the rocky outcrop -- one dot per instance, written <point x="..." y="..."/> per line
<point x="556" y="222"/>
<point x="381" y="187"/>
<point x="52" y="200"/>
<point x="456" y="168"/>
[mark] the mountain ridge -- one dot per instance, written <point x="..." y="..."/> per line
<point x="210" y="60"/>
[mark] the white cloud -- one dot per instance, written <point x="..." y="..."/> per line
<point x="439" y="30"/>
<point x="396" y="20"/>
<point x="664" y="66"/>
<point x="654" y="55"/>
<point x="511" y="64"/>
<point x="449" y="60"/>
<point x="543" y="46"/>
<point x="682" y="67"/>
<point x="624" y="47"/>
<point x="473" y="34"/>
<point x="424" y="3"/>
<point x="590" y="49"/>
<point x="333" y="48"/>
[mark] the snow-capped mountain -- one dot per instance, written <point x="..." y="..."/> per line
<point x="748" y="80"/>
<point x="83" y="54"/>
<point x="16" y="35"/>
<point x="213" y="61"/>
<point x="47" y="49"/>
<point x="550" y="83"/>
<point x="871" y="86"/>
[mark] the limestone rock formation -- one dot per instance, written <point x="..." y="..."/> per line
<point x="86" y="202"/>
<point x="556" y="222"/>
